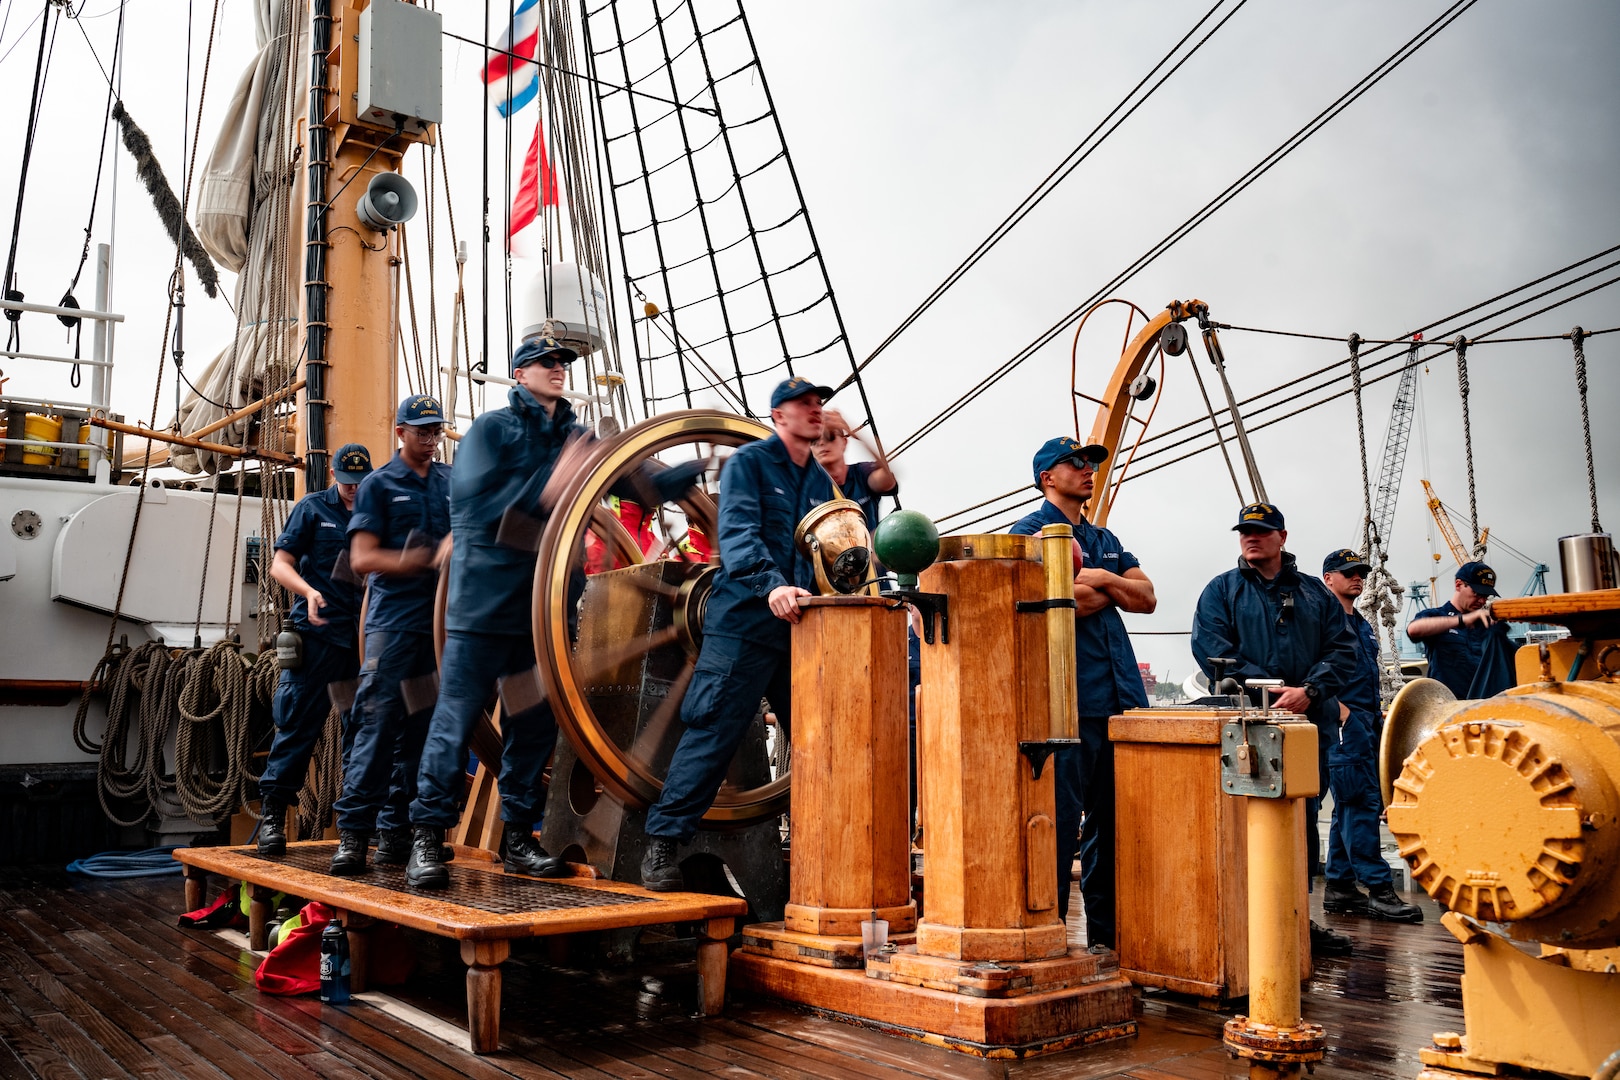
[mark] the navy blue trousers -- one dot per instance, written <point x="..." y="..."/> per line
<point x="1084" y="785"/>
<point x="379" y="778"/>
<point x="299" y="709"/>
<point x="1353" y="853"/>
<point x="473" y="663"/>
<point x="722" y="700"/>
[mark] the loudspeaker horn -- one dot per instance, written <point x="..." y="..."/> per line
<point x="1420" y="709"/>
<point x="389" y="200"/>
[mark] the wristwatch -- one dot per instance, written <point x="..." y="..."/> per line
<point x="1460" y="623"/>
<point x="1313" y="692"/>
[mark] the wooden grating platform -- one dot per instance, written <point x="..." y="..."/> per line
<point x="484" y="909"/>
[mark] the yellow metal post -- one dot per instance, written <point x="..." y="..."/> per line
<point x="1057" y="557"/>
<point x="1273" y="923"/>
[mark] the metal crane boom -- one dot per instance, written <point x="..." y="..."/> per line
<point x="1395" y="443"/>
<point x="1459" y="550"/>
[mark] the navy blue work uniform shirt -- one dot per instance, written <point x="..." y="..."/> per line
<point x="1290" y="628"/>
<point x="1454" y="656"/>
<point x="1358" y="736"/>
<point x="857" y="487"/>
<point x="1107" y="678"/>
<point x="504" y="458"/>
<point x="394" y="503"/>
<point x="316" y="536"/>
<point x="763" y="495"/>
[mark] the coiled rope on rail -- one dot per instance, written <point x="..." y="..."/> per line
<point x="215" y="705"/>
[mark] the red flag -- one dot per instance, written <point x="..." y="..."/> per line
<point x="538" y="185"/>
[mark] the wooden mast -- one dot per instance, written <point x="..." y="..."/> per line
<point x="350" y="309"/>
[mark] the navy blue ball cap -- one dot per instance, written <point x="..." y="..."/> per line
<point x="1479" y="577"/>
<point x="1344" y="561"/>
<point x="1063" y="448"/>
<point x="351" y="463"/>
<point x="419" y="410"/>
<point x="797" y="387"/>
<point x="537" y="348"/>
<point x="1259" y="516"/>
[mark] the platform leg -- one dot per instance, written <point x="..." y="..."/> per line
<point x="711" y="963"/>
<point x="196" y="886"/>
<point x="259" y="917"/>
<point x="483" y="960"/>
<point x="358" y="927"/>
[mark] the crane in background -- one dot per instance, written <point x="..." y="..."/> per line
<point x="1395" y="443"/>
<point x="1442" y="519"/>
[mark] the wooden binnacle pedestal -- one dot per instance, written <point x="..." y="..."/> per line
<point x="851" y="845"/>
<point x="991" y="971"/>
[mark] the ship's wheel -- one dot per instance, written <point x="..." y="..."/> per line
<point x="617" y="628"/>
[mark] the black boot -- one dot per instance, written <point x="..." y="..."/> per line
<point x="426" y="870"/>
<point x="393" y="847"/>
<point x="1325" y="942"/>
<point x="1384" y="904"/>
<point x="272" y="828"/>
<point x="524" y="855"/>
<point x="659" y="870"/>
<point x="351" y="853"/>
<point x="1343" y="898"/>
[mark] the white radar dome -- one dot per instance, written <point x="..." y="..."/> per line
<point x="572" y="301"/>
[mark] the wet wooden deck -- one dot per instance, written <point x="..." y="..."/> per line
<point x="96" y="980"/>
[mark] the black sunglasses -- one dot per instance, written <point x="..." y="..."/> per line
<point x="549" y="362"/>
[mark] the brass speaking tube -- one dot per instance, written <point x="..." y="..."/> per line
<point x="1057" y="557"/>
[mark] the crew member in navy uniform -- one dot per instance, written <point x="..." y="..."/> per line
<point x="1280" y="624"/>
<point x="401" y="513"/>
<point x="864" y="483"/>
<point x="489" y="632"/>
<point x="1108" y="580"/>
<point x="1456" y="634"/>
<point x="1353" y="768"/>
<point x="325" y="610"/>
<point x="765" y="489"/>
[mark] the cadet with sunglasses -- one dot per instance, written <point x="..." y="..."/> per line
<point x="502" y="463"/>
<point x="401" y="512"/>
<point x="1108" y="580"/>
<point x="1280" y="624"/>
<point x="1353" y="769"/>
<point x="325" y="608"/>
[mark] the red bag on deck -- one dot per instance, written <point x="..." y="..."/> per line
<point x="294" y="965"/>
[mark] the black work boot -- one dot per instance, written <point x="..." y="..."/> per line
<point x="660" y="872"/>
<point x="351" y="853"/>
<point x="393" y="847"/>
<point x="426" y="870"/>
<point x="272" y="828"/>
<point x="1325" y="942"/>
<point x="1342" y="898"/>
<point x="1384" y="904"/>
<point x="524" y="855"/>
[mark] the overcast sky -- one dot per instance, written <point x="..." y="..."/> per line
<point x="1489" y="159"/>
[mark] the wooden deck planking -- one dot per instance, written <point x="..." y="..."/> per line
<point x="96" y="979"/>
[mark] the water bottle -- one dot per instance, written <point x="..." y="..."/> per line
<point x="335" y="964"/>
<point x="289" y="647"/>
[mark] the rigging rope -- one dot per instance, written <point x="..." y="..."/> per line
<point x="1061" y="172"/>
<point x="1461" y="346"/>
<point x="1381" y="595"/>
<point x="1578" y="337"/>
<point x="41" y="70"/>
<point x="1176" y="235"/>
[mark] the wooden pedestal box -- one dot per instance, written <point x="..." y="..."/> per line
<point x="1182" y="856"/>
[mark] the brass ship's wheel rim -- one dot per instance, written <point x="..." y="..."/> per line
<point x="627" y="775"/>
